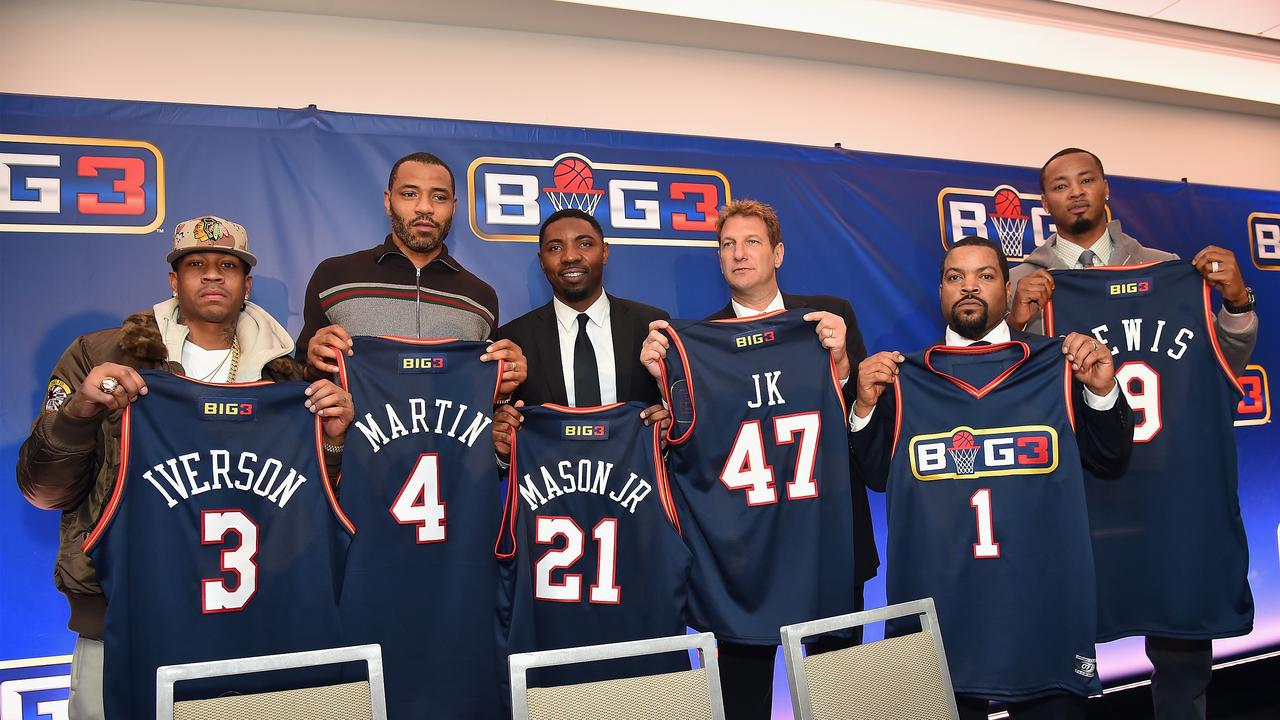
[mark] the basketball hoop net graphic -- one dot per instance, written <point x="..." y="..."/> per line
<point x="1009" y="221"/>
<point x="963" y="452"/>
<point x="574" y="186"/>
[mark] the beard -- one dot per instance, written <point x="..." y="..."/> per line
<point x="972" y="326"/>
<point x="1081" y="225"/>
<point x="418" y="243"/>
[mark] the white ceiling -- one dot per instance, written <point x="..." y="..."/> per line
<point x="1249" y="17"/>
<point x="1120" y="51"/>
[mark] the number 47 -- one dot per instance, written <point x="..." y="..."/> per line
<point x="746" y="466"/>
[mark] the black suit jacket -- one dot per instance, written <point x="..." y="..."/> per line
<point x="865" y="557"/>
<point x="1105" y="437"/>
<point x="536" y="334"/>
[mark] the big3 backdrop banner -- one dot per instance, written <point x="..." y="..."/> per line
<point x="90" y="192"/>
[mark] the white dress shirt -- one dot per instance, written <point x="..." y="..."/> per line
<point x="998" y="334"/>
<point x="742" y="311"/>
<point x="1070" y="252"/>
<point x="600" y="331"/>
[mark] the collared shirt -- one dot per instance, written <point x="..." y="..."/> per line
<point x="1070" y="252"/>
<point x="996" y="335"/>
<point x="600" y="331"/>
<point x="740" y="310"/>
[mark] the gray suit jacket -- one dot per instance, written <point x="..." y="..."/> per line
<point x="1236" y="346"/>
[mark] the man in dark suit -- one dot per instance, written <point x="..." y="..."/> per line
<point x="583" y="346"/>
<point x="975" y="292"/>
<point x="751" y="251"/>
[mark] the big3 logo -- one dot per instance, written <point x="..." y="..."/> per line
<point x="80" y="185"/>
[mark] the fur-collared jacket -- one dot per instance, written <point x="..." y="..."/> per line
<point x="70" y="464"/>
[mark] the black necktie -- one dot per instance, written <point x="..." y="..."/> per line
<point x="586" y="377"/>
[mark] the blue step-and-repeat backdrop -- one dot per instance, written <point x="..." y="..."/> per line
<point x="90" y="191"/>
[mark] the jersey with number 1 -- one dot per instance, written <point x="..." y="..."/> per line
<point x="1168" y="539"/>
<point x="986" y="515"/>
<point x="759" y="461"/>
<point x="420" y="481"/>
<point x="222" y="538"/>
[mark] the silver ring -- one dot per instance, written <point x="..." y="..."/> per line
<point x="1214" y="267"/>
<point x="109" y="385"/>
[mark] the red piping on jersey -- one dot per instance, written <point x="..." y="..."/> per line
<point x="418" y="341"/>
<point x="835" y="381"/>
<point x="251" y="383"/>
<point x="117" y="492"/>
<point x="342" y="369"/>
<point x="749" y="318"/>
<point x="1213" y="337"/>
<point x="583" y="410"/>
<point x="663" y="482"/>
<point x="897" y="415"/>
<point x="979" y="350"/>
<point x="508" y="526"/>
<point x="328" y="484"/>
<point x="1067" y="376"/>
<point x="688" y="381"/>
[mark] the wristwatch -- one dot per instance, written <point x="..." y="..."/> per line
<point x="1241" y="309"/>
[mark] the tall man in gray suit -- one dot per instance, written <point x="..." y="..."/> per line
<point x="1075" y="195"/>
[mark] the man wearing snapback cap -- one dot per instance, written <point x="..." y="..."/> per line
<point x="208" y="331"/>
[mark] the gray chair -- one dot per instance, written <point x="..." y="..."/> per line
<point x="688" y="695"/>
<point x="901" y="678"/>
<point x="362" y="700"/>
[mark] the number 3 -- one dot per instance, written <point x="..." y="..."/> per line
<point x="216" y="597"/>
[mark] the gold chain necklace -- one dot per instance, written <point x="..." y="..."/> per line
<point x="234" y="355"/>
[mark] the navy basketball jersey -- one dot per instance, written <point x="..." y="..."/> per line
<point x="1168" y="540"/>
<point x="420" y="481"/>
<point x="986" y="515"/>
<point x="591" y="541"/>
<point x="222" y="537"/>
<point x="759" y="462"/>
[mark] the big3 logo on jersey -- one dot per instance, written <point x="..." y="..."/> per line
<point x="80" y="185"/>
<point x="635" y="204"/>
<point x="964" y="452"/>
<point x="1003" y="214"/>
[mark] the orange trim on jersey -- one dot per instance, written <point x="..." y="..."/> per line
<point x="1046" y="314"/>
<point x="502" y="366"/>
<point x="251" y="383"/>
<point x="342" y="370"/>
<point x="584" y="410"/>
<point x="663" y="482"/>
<point x="835" y="381"/>
<point x="749" y="318"/>
<point x="329" y="484"/>
<point x="978" y="350"/>
<point x="1212" y="331"/>
<point x="688" y="381"/>
<point x="117" y="492"/>
<point x="418" y="341"/>
<point x="897" y="415"/>
<point x="1067" y="376"/>
<point x="508" y="524"/>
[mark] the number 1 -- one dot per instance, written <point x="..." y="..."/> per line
<point x="986" y="547"/>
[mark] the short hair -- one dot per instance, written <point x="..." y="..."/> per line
<point x="1069" y="151"/>
<point x="978" y="241"/>
<point x="752" y="208"/>
<point x="573" y="213"/>
<point x="425" y="158"/>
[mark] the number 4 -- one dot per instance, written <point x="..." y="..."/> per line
<point x="419" y="500"/>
